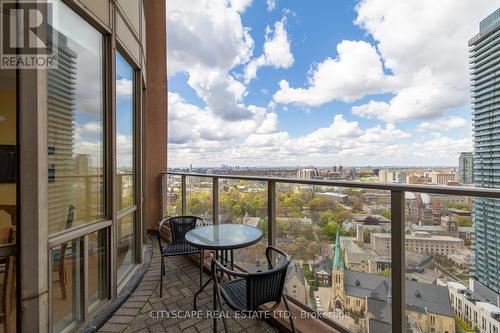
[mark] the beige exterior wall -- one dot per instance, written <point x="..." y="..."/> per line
<point x="431" y="322"/>
<point x="443" y="245"/>
<point x="355" y="304"/>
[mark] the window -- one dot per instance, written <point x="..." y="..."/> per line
<point x="125" y="165"/>
<point x="125" y="245"/>
<point x="8" y="200"/>
<point x="98" y="282"/>
<point x="66" y="285"/>
<point x="75" y="131"/>
<point x="79" y="274"/>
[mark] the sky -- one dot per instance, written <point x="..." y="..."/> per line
<point x="323" y="83"/>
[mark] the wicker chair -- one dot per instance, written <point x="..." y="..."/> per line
<point x="179" y="226"/>
<point x="248" y="291"/>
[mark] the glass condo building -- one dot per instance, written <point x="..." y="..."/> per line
<point x="485" y="87"/>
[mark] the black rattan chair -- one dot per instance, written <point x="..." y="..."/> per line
<point x="179" y="226"/>
<point x="248" y="291"/>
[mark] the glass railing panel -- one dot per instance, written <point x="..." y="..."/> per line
<point x="336" y="268"/>
<point x="173" y="195"/>
<point x="245" y="202"/>
<point x="452" y="262"/>
<point x="199" y="197"/>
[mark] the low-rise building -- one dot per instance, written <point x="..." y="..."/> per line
<point x="372" y="223"/>
<point x="419" y="242"/>
<point x="322" y="271"/>
<point x="369" y="297"/>
<point x="419" y="180"/>
<point x="442" y="178"/>
<point x="334" y="196"/>
<point x="473" y="309"/>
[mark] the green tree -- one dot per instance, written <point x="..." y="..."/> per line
<point x="386" y="213"/>
<point x="464" y="221"/>
<point x="386" y="272"/>
<point x="330" y="230"/>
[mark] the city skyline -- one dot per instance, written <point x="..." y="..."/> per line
<point x="285" y="85"/>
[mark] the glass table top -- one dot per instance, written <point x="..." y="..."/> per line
<point x="223" y="236"/>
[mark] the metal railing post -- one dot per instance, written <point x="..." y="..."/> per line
<point x="398" y="260"/>
<point x="183" y="194"/>
<point x="215" y="200"/>
<point x="271" y="213"/>
<point x="163" y="195"/>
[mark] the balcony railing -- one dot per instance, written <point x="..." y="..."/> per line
<point x="397" y="215"/>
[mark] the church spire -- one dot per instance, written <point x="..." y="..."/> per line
<point x="338" y="260"/>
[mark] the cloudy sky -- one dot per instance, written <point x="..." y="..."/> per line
<point x="275" y="82"/>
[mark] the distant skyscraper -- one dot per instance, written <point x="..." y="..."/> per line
<point x="485" y="75"/>
<point x="400" y="177"/>
<point x="465" y="165"/>
<point x="307" y="173"/>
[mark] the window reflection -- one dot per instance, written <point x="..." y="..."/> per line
<point x="8" y="170"/>
<point x="98" y="287"/>
<point x="125" y="257"/>
<point x="125" y="177"/>
<point x="67" y="277"/>
<point x="8" y="202"/>
<point x="75" y="124"/>
<point x="8" y="294"/>
<point x="124" y="133"/>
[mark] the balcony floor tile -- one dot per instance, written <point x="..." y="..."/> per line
<point x="179" y="285"/>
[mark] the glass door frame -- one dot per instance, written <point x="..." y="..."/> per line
<point x="136" y="208"/>
<point x="81" y="233"/>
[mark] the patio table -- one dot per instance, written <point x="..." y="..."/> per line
<point x="222" y="238"/>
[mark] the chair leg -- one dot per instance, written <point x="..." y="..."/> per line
<point x="201" y="268"/>
<point x="289" y="312"/>
<point x="161" y="277"/>
<point x="163" y="263"/>
<point x="62" y="280"/>
<point x="219" y="303"/>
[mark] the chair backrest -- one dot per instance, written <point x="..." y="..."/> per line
<point x="179" y="226"/>
<point x="265" y="287"/>
<point x="70" y="217"/>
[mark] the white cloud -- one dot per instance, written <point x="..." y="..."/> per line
<point x="357" y="71"/>
<point x="123" y="88"/>
<point x="206" y="33"/>
<point x="271" y="4"/>
<point x="269" y="125"/>
<point x="276" y="51"/>
<point x="240" y="5"/>
<point x="92" y="127"/>
<point x="206" y="40"/>
<point x="220" y="91"/>
<point x="425" y="45"/>
<point x="342" y="141"/>
<point x="124" y="144"/>
<point x="443" y="124"/>
<point x="189" y="124"/>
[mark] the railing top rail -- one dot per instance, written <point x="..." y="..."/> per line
<point x="434" y="189"/>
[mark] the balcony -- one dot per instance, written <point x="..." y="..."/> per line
<point x="394" y="269"/>
<point x="144" y="310"/>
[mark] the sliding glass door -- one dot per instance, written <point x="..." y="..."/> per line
<point x="125" y="167"/>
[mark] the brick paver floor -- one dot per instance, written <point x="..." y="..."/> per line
<point x="138" y="313"/>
